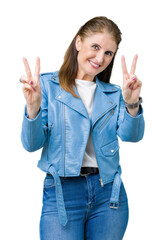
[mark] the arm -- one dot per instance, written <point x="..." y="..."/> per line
<point x="34" y="131"/>
<point x="130" y="128"/>
<point x="130" y="121"/>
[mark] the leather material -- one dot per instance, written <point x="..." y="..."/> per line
<point x="62" y="128"/>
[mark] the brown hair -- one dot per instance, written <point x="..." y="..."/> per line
<point x="69" y="68"/>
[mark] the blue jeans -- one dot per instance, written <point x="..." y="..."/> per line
<point x="87" y="205"/>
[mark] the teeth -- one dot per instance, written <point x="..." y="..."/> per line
<point x="95" y="65"/>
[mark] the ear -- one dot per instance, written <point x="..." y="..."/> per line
<point x="78" y="43"/>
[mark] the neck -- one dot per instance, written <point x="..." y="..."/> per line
<point x="85" y="77"/>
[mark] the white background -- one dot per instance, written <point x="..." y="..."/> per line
<point x="45" y="29"/>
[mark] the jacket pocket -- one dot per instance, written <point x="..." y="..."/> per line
<point x="110" y="149"/>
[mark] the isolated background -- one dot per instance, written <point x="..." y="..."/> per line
<point x="45" y="29"/>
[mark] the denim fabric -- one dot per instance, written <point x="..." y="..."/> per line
<point x="89" y="214"/>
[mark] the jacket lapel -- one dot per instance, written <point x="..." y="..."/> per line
<point x="101" y="104"/>
<point x="69" y="100"/>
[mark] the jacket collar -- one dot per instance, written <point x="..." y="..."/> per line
<point x="103" y="86"/>
<point x="101" y="104"/>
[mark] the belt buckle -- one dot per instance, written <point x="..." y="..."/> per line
<point x="114" y="205"/>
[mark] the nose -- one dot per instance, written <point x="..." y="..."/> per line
<point x="100" y="57"/>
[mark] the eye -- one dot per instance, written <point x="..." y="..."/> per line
<point x="109" y="53"/>
<point x="96" y="47"/>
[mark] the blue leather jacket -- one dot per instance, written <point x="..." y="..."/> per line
<point x="62" y="128"/>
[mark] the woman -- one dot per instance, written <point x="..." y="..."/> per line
<point x="75" y="115"/>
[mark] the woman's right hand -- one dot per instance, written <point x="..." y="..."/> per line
<point x="32" y="89"/>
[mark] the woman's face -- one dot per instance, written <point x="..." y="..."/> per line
<point x="94" y="54"/>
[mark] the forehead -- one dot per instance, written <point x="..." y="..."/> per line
<point x="104" y="39"/>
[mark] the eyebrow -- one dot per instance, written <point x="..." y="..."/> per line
<point x="106" y="51"/>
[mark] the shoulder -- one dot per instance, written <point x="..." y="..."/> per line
<point x="108" y="87"/>
<point x="46" y="76"/>
<point x="113" y="86"/>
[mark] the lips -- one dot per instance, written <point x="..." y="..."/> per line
<point x="94" y="65"/>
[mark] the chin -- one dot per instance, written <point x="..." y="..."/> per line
<point x="93" y="72"/>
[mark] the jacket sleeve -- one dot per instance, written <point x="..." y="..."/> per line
<point x="34" y="131"/>
<point x="130" y="129"/>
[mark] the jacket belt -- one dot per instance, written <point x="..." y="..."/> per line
<point x="59" y="196"/>
<point x="114" y="199"/>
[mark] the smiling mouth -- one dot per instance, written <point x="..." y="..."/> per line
<point x="94" y="65"/>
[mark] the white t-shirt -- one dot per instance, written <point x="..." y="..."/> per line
<point x="86" y="90"/>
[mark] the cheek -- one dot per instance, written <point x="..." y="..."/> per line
<point x="80" y="58"/>
<point x="108" y="61"/>
<point x="105" y="65"/>
<point x="83" y="56"/>
<point x="88" y="54"/>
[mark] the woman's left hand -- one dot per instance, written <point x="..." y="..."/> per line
<point x="131" y="84"/>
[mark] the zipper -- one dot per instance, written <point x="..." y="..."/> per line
<point x="100" y="179"/>
<point x="49" y="139"/>
<point x="100" y="127"/>
<point x="103" y="115"/>
<point x="101" y="182"/>
<point x="106" y="119"/>
<point x="64" y="142"/>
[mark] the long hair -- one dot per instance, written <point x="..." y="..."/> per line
<point x="69" y="68"/>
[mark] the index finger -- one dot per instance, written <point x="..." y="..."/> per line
<point x="124" y="68"/>
<point x="27" y="68"/>
<point x="133" y="67"/>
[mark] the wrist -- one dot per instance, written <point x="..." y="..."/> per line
<point x="134" y="105"/>
<point x="32" y="111"/>
<point x="133" y="112"/>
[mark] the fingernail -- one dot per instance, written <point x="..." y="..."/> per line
<point x="31" y="82"/>
<point x="133" y="78"/>
<point x="34" y="89"/>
